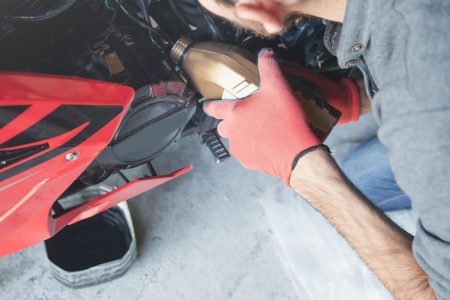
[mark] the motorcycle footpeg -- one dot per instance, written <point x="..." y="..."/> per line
<point x="211" y="139"/>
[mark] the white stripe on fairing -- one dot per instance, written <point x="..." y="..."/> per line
<point x="24" y="199"/>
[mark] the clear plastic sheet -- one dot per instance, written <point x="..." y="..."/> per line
<point x="320" y="262"/>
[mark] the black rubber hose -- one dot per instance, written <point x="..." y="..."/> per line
<point x="143" y="6"/>
<point x="163" y="40"/>
<point x="48" y="14"/>
<point x="164" y="49"/>
<point x="217" y="35"/>
<point x="131" y="16"/>
<point x="144" y="10"/>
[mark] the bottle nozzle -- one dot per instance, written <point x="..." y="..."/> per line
<point x="180" y="49"/>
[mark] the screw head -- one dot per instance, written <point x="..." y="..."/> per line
<point x="357" y="47"/>
<point x="72" y="156"/>
<point x="128" y="40"/>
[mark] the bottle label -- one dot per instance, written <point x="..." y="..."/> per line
<point x="240" y="91"/>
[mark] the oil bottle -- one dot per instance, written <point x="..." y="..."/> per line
<point x="221" y="71"/>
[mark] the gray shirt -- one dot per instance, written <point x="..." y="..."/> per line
<point x="402" y="47"/>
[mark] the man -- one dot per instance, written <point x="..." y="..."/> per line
<point x="401" y="47"/>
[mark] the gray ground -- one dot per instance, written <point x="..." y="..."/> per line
<point x="203" y="236"/>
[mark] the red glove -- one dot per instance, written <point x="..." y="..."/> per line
<point x="342" y="95"/>
<point x="267" y="130"/>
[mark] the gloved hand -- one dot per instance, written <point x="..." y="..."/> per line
<point x="342" y="95"/>
<point x="267" y="130"/>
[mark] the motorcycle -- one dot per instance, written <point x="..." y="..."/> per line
<point x="88" y="90"/>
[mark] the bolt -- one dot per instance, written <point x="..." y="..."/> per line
<point x="128" y="40"/>
<point x="72" y="156"/>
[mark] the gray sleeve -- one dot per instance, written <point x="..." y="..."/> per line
<point x="414" y="111"/>
<point x="420" y="147"/>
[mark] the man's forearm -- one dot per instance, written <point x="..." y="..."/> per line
<point x="385" y="247"/>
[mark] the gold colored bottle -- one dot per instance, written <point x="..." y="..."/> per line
<point x="220" y="71"/>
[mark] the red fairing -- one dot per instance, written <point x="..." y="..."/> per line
<point x="107" y="201"/>
<point x="51" y="129"/>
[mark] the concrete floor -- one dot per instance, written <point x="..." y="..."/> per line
<point x="202" y="236"/>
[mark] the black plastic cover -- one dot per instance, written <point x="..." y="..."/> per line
<point x="150" y="127"/>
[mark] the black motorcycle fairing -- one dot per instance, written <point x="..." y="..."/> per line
<point x="150" y="127"/>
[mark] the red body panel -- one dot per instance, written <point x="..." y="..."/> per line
<point x="29" y="187"/>
<point x="105" y="202"/>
